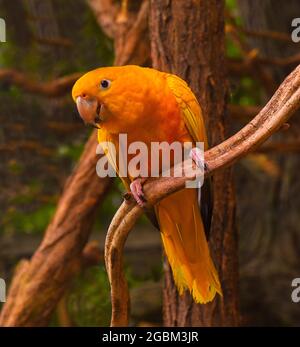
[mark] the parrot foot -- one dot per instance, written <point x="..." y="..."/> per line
<point x="127" y="197"/>
<point x="136" y="188"/>
<point x="197" y="155"/>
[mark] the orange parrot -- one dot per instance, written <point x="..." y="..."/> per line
<point x="153" y="106"/>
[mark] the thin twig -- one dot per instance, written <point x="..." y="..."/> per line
<point x="54" y="88"/>
<point x="264" y="34"/>
<point x="250" y="58"/>
<point x="268" y="34"/>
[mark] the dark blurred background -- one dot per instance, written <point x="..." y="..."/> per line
<point x="41" y="139"/>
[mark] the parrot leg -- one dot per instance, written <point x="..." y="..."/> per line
<point x="136" y="188"/>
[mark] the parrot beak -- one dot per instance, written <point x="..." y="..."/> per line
<point x="89" y="110"/>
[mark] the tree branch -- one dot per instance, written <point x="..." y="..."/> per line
<point x="39" y="283"/>
<point x="291" y="60"/>
<point x="250" y="58"/>
<point x="132" y="37"/>
<point x="105" y="12"/>
<point x="282" y="105"/>
<point x="118" y="231"/>
<point x="267" y="34"/>
<point x="57" y="87"/>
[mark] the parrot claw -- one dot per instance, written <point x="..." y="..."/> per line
<point x="127" y="197"/>
<point x="197" y="155"/>
<point x="136" y="188"/>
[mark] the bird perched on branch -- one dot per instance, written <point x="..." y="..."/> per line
<point x="153" y="106"/>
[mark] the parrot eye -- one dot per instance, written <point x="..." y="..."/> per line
<point x="105" y="84"/>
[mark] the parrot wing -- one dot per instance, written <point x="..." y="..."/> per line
<point x="104" y="138"/>
<point x="192" y="115"/>
<point x="190" y="108"/>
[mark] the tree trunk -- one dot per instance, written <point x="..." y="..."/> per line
<point x="187" y="39"/>
<point x="39" y="283"/>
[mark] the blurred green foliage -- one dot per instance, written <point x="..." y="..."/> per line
<point x="32" y="222"/>
<point x="89" y="300"/>
<point x="72" y="152"/>
<point x="245" y="90"/>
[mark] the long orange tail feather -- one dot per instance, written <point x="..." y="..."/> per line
<point x="186" y="246"/>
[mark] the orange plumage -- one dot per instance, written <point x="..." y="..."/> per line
<point x="152" y="106"/>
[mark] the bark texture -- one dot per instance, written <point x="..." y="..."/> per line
<point x="187" y="38"/>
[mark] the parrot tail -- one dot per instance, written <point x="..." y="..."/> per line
<point x="186" y="246"/>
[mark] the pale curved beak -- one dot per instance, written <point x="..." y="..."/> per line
<point x="89" y="109"/>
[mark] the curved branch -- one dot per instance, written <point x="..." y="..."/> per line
<point x="282" y="105"/>
<point x="118" y="231"/>
<point x="57" y="87"/>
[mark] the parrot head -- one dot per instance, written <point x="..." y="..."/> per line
<point x="112" y="97"/>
